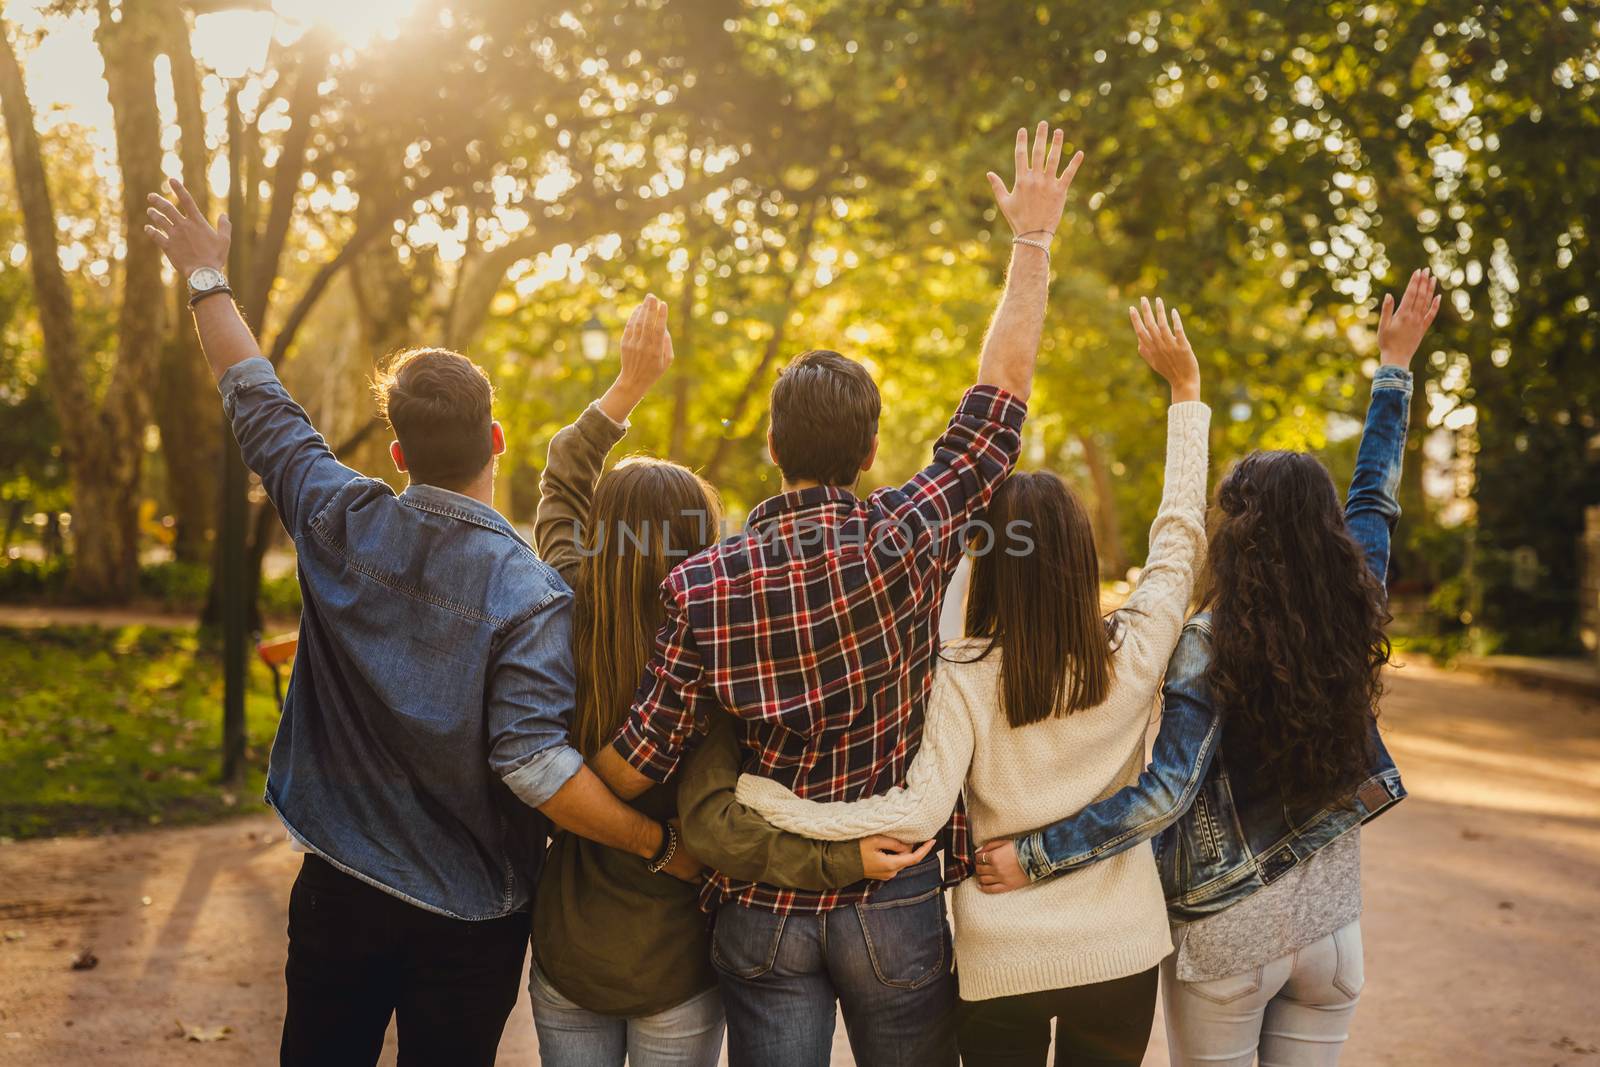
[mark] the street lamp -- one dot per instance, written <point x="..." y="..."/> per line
<point x="595" y="341"/>
<point x="233" y="44"/>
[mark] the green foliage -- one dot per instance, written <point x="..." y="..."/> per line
<point x="117" y="729"/>
<point x="27" y="579"/>
<point x="175" y="586"/>
<point x="793" y="175"/>
<point x="280" y="597"/>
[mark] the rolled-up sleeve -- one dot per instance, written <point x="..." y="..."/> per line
<point x="531" y="699"/>
<point x="278" y="442"/>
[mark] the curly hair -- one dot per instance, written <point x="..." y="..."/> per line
<point x="1297" y="629"/>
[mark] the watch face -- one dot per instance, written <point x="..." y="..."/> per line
<point x="206" y="278"/>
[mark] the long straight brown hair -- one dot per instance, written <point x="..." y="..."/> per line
<point x="1035" y="594"/>
<point x="648" y="516"/>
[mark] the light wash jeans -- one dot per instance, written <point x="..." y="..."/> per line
<point x="1294" y="1011"/>
<point x="685" y="1035"/>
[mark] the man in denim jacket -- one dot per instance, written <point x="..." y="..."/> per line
<point x="423" y="745"/>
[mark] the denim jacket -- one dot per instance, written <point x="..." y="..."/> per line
<point x="428" y="707"/>
<point x="1221" y="836"/>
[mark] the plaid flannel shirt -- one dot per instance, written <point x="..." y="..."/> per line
<point x="817" y="628"/>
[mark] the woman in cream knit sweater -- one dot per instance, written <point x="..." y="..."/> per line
<point x="1039" y="711"/>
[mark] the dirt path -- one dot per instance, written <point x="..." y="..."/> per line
<point x="1482" y="922"/>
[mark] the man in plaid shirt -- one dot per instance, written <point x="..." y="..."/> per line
<point x="817" y="628"/>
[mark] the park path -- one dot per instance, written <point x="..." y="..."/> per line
<point x="1482" y="916"/>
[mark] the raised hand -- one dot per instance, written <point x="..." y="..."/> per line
<point x="999" y="871"/>
<point x="646" y="355"/>
<point x="1400" y="331"/>
<point x="183" y="234"/>
<point x="884" y="857"/>
<point x="1034" y="202"/>
<point x="1163" y="345"/>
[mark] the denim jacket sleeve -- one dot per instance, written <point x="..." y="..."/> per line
<point x="1372" y="508"/>
<point x="296" y="466"/>
<point x="530" y="703"/>
<point x="1185" y="745"/>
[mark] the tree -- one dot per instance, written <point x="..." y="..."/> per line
<point x="102" y="443"/>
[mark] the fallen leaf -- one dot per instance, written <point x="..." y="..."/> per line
<point x="85" y="960"/>
<point x="15" y="935"/>
<point x="203" y="1033"/>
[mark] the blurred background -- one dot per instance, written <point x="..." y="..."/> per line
<point x="508" y="177"/>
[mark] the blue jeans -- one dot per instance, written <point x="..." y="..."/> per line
<point x="685" y="1035"/>
<point x="887" y="962"/>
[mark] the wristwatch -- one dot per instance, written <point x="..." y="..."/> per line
<point x="206" y="281"/>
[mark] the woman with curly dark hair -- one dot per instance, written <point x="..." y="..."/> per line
<point x="1269" y="759"/>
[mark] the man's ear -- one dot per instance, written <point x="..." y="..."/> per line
<point x="398" y="456"/>
<point x="872" y="455"/>
<point x="497" y="438"/>
<point x="772" y="450"/>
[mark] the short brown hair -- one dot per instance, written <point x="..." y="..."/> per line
<point x="438" y="404"/>
<point x="824" y="417"/>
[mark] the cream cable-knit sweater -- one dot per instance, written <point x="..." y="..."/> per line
<point x="1107" y="920"/>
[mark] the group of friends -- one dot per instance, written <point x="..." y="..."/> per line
<point x="725" y="782"/>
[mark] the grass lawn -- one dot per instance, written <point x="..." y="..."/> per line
<point x="111" y="729"/>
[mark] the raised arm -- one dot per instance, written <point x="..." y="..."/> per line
<point x="1032" y="206"/>
<point x="735" y="840"/>
<point x="578" y="451"/>
<point x="1154" y="612"/>
<point x="983" y="440"/>
<point x="914" y="811"/>
<point x="1184" y="748"/>
<point x="1372" y="507"/>
<point x="296" y="466"/>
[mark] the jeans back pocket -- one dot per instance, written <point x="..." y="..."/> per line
<point x="744" y="942"/>
<point x="907" y="939"/>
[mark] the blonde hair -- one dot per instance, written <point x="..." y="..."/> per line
<point x="648" y="516"/>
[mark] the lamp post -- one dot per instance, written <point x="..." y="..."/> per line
<point x="233" y="44"/>
<point x="595" y="341"/>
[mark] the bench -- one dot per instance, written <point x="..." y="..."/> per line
<point x="275" y="652"/>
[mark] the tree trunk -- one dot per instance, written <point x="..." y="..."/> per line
<point x="1107" y="522"/>
<point x="683" y="344"/>
<point x="129" y="47"/>
<point x="185" y="400"/>
<point x="102" y="444"/>
<point x="186" y="411"/>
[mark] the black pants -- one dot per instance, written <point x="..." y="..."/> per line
<point x="1102" y="1025"/>
<point x="358" y="955"/>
